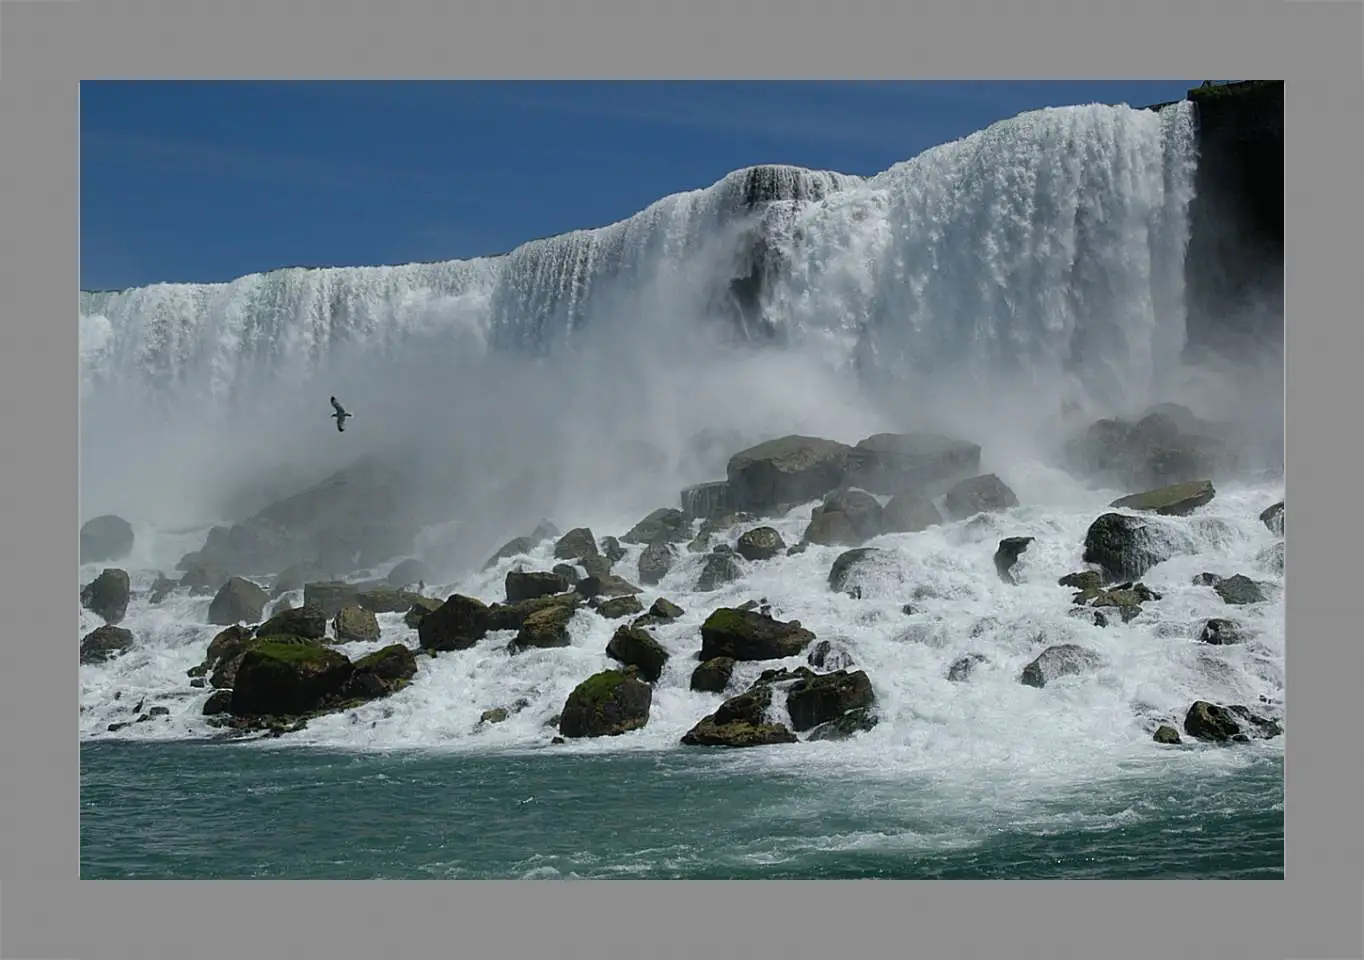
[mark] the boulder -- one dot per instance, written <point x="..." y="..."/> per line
<point x="829" y="528"/>
<point x="203" y="577"/>
<point x="1010" y="549"/>
<point x="740" y="722"/>
<point x="408" y="572"/>
<point x="578" y="544"/>
<point x="512" y="616"/>
<point x="705" y="500"/>
<point x="719" y="569"/>
<point x="419" y="609"/>
<point x="605" y="585"/>
<point x="983" y="494"/>
<point x="516" y="547"/>
<point x="457" y="624"/>
<point x="963" y="667"/>
<point x="1217" y="724"/>
<point x="666" y="525"/>
<point x="909" y="513"/>
<point x="385" y="599"/>
<point x="1061" y="660"/>
<point x="381" y="673"/>
<point x="219" y="702"/>
<point x="287" y="679"/>
<point x="239" y="600"/>
<point x="355" y="624"/>
<point x="1221" y="632"/>
<point x="568" y="572"/>
<point x="1122" y="546"/>
<point x="791" y="469"/>
<point x="861" y="720"/>
<point x="635" y="647"/>
<point x="105" y="643"/>
<point x="1156" y="450"/>
<point x="1273" y="519"/>
<point x="162" y="587"/>
<point x="665" y="609"/>
<point x="891" y="463"/>
<point x="825" y="656"/>
<point x="1178" y="500"/>
<point x="546" y="628"/>
<point x="1084" y="581"/>
<point x="612" y="550"/>
<point x="307" y="622"/>
<point x="760" y="543"/>
<point x="827" y="697"/>
<point x="1239" y="590"/>
<point x="713" y="675"/>
<point x="528" y="585"/>
<point x="609" y="703"/>
<point x="1125" y="599"/>
<point x="746" y="635"/>
<point x="330" y="595"/>
<point x="107" y="595"/>
<point x="861" y="509"/>
<point x="1166" y="734"/>
<point x="843" y="572"/>
<point x="105" y="538"/>
<point x="618" y="607"/>
<point x="655" y="561"/>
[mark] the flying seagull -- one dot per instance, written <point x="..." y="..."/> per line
<point x="340" y="416"/>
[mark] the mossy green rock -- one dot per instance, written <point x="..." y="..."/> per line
<point x="381" y="673"/>
<point x="546" y="628"/>
<point x="740" y="722"/>
<point x="1166" y="734"/>
<point x="281" y="679"/>
<point x="1177" y="500"/>
<point x="512" y="616"/>
<point x="746" y="635"/>
<point x="609" y="703"/>
<point x="457" y="624"/>
<point x="635" y="647"/>
<point x="354" y="624"/>
<point x="107" y="596"/>
<point x="306" y="621"/>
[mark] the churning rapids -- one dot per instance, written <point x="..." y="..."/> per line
<point x="1008" y="289"/>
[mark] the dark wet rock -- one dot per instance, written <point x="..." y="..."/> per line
<point x="909" y="513"/>
<point x="635" y="647"/>
<point x="783" y="675"/>
<point x="655" y="561"/>
<point x="105" y="538"/>
<point x="1125" y="599"/>
<point x="760" y="543"/>
<point x="831" y="529"/>
<point x="105" y="643"/>
<point x="526" y="585"/>
<point x="569" y="573"/>
<point x="1088" y="615"/>
<point x="494" y="715"/>
<point x="891" y="463"/>
<point x="308" y="622"/>
<point x="381" y="673"/>
<point x="740" y="722"/>
<point x="718" y="570"/>
<point x="512" y="616"/>
<point x="1239" y="590"/>
<point x="1166" y="734"/>
<point x="516" y="547"/>
<point x="605" y="585"/>
<point x="239" y="600"/>
<point x="825" y="656"/>
<point x="1062" y="660"/>
<point x="330" y="595"/>
<point x="701" y="543"/>
<point x="408" y="572"/>
<point x="385" y="599"/>
<point x="1085" y="581"/>
<point x="983" y="494"/>
<point x="219" y="702"/>
<point x="713" y="675"/>
<point x="1206" y="580"/>
<point x="1212" y="723"/>
<point x="618" y="607"/>
<point x="203" y="577"/>
<point x="609" y="703"/>
<point x="355" y="624"/>
<point x="107" y="595"/>
<point x="841" y="574"/>
<point x="862" y="510"/>
<point x="161" y="588"/>
<point x="706" y="500"/>
<point x="825" y="697"/>
<point x="665" y="609"/>
<point x="1122" y="546"/>
<point x="861" y="720"/>
<point x="457" y="624"/>
<point x="1157" y="450"/>
<point x="798" y="548"/>
<point x="578" y="544"/>
<point x="419" y="609"/>
<point x="284" y="679"/>
<point x="791" y="469"/>
<point x="963" y="667"/>
<point x="745" y="635"/>
<point x="1178" y="500"/>
<point x="664" y="525"/>
<point x="546" y="628"/>
<point x="1273" y="518"/>
<point x="1010" y="549"/>
<point x="1221" y="632"/>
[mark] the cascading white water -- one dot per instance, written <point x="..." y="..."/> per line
<point x="1038" y="260"/>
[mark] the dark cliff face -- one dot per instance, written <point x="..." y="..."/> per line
<point x="1234" y="265"/>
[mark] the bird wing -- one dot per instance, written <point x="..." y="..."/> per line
<point x="337" y="407"/>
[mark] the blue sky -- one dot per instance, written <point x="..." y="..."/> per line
<point x="207" y="181"/>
